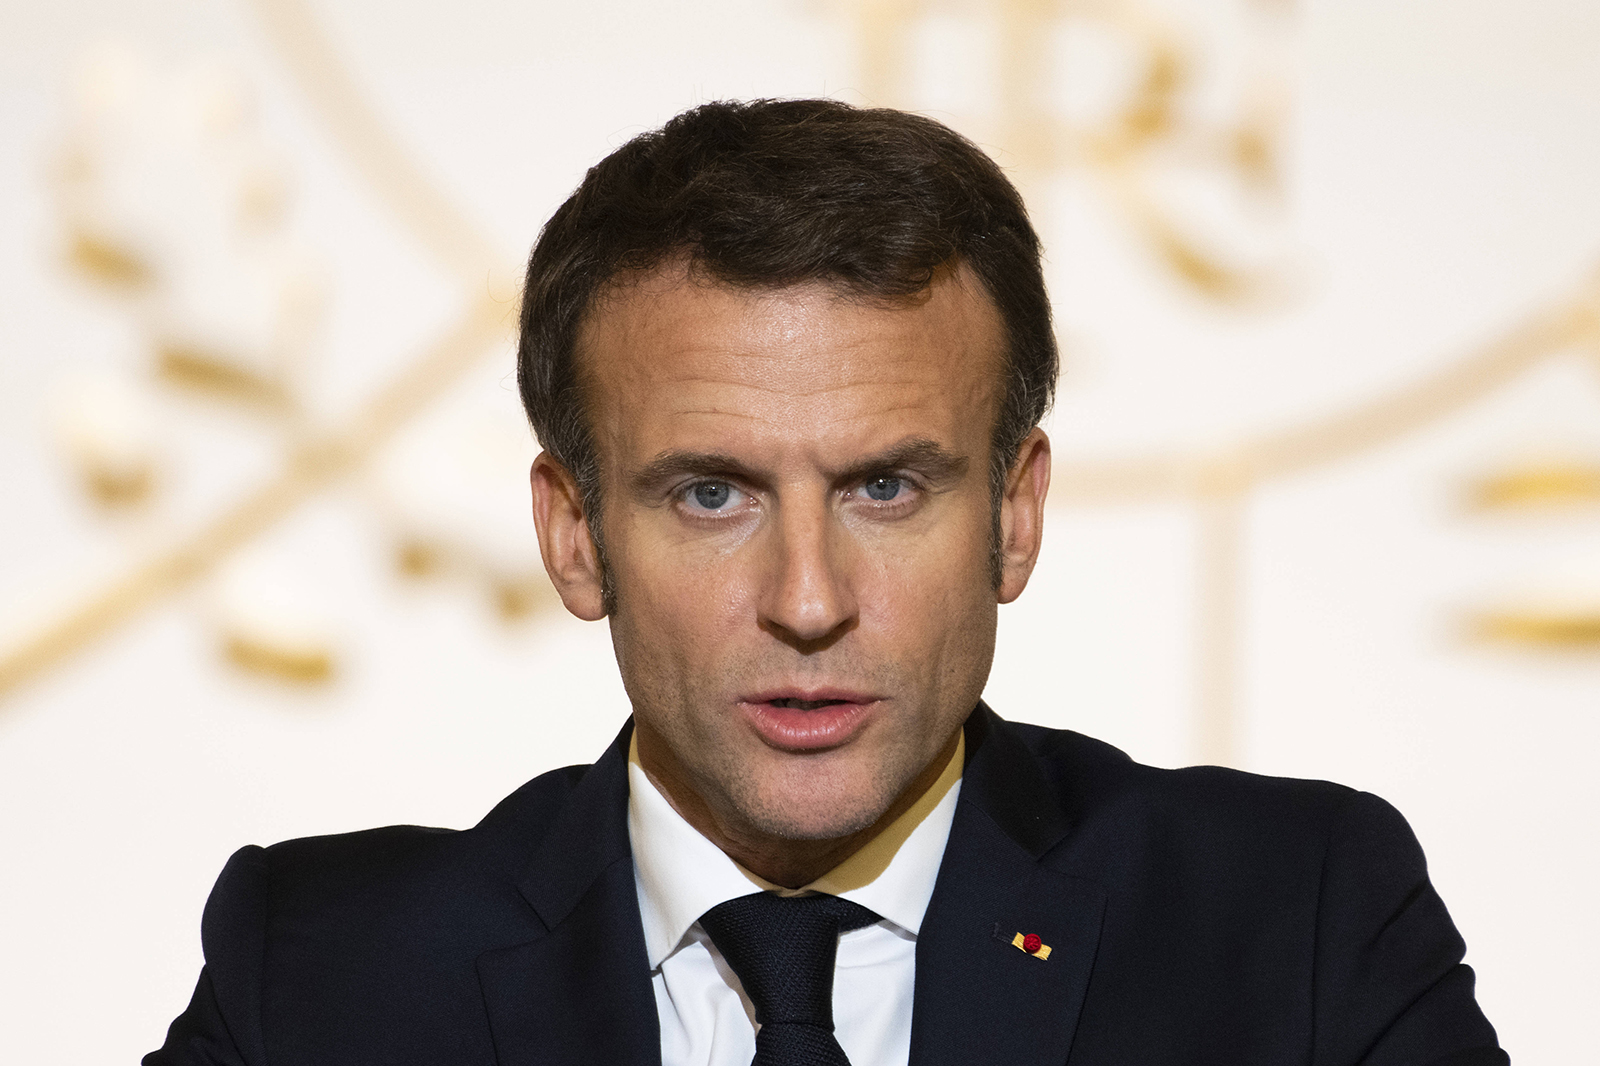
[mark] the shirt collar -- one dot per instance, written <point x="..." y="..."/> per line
<point x="681" y="874"/>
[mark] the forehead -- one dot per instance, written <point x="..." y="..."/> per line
<point x="674" y="361"/>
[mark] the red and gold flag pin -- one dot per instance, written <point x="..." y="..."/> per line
<point x="1030" y="943"/>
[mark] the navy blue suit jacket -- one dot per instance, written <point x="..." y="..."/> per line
<point x="1194" y="917"/>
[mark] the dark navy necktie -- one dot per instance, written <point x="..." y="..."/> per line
<point x="782" y="948"/>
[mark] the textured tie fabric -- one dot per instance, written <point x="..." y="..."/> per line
<point x="782" y="948"/>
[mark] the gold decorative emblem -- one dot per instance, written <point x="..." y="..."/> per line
<point x="1031" y="944"/>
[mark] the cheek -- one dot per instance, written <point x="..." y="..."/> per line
<point x="677" y="612"/>
<point x="927" y="588"/>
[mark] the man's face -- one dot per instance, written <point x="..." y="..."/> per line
<point x="797" y="520"/>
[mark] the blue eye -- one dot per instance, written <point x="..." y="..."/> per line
<point x="882" y="489"/>
<point x="712" y="495"/>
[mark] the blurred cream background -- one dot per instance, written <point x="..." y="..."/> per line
<point x="1328" y="494"/>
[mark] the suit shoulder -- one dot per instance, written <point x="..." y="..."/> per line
<point x="408" y="859"/>
<point x="1222" y="842"/>
<point x="1095" y="779"/>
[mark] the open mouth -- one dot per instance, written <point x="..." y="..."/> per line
<point x="796" y="724"/>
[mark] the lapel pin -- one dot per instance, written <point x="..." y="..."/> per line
<point x="1030" y="943"/>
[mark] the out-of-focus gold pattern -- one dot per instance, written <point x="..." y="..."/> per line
<point x="312" y="458"/>
<point x="1147" y="132"/>
<point x="1575" y="630"/>
<point x="302" y="663"/>
<point x="1556" y="483"/>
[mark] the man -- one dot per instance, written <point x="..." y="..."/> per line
<point x="788" y="361"/>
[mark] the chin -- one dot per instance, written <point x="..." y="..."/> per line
<point x="812" y="830"/>
<point x="791" y="817"/>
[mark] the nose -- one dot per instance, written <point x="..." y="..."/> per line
<point x="807" y="599"/>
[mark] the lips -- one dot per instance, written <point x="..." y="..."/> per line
<point x="809" y="720"/>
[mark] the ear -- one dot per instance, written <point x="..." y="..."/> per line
<point x="570" y="557"/>
<point x="1022" y="514"/>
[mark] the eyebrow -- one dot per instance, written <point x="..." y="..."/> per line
<point x="669" y="466"/>
<point x="917" y="454"/>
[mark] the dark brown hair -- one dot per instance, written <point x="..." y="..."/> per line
<point x="770" y="193"/>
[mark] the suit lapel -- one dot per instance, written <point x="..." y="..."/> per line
<point x="980" y="1000"/>
<point x="580" y="994"/>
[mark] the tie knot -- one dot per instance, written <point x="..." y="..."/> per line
<point x="783" y="948"/>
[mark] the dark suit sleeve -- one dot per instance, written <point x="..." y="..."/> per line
<point x="222" y="1025"/>
<point x="1390" y="986"/>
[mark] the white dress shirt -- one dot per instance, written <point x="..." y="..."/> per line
<point x="706" y="1019"/>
